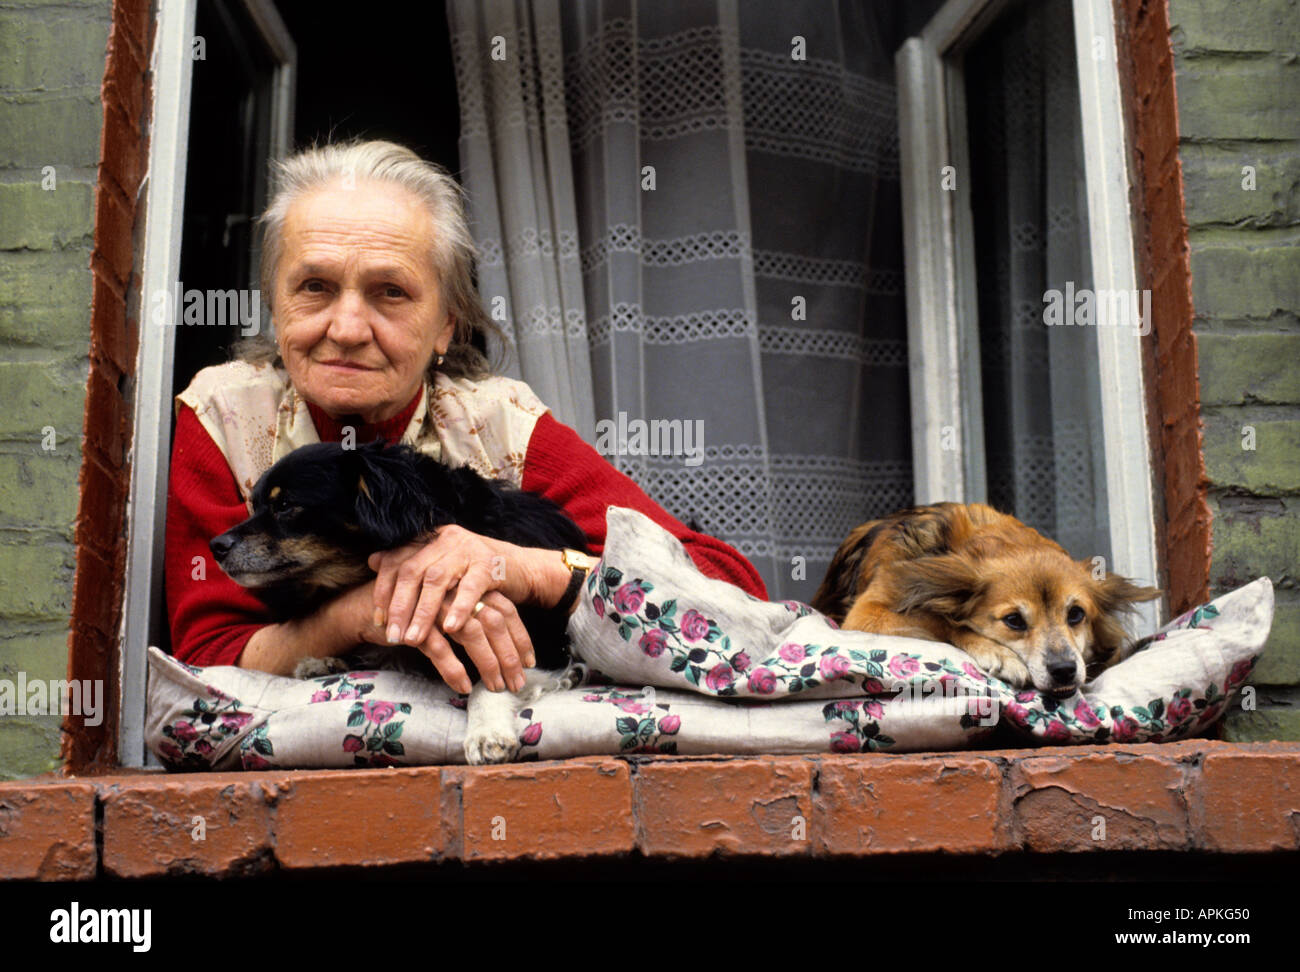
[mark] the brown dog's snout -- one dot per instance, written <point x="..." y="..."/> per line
<point x="1062" y="666"/>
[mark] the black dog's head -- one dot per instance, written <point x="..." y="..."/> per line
<point x="320" y="512"/>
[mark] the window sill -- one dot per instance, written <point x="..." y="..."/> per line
<point x="1200" y="795"/>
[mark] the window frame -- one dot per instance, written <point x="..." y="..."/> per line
<point x="940" y="291"/>
<point x="172" y="70"/>
<point x="948" y="445"/>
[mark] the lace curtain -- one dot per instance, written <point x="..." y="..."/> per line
<point x="692" y="211"/>
<point x="1042" y="409"/>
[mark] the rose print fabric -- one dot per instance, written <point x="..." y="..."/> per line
<point x="689" y="665"/>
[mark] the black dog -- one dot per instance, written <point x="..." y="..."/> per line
<point x="321" y="511"/>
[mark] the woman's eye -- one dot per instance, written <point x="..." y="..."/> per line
<point x="394" y="291"/>
<point x="1014" y="621"/>
<point x="1075" y="615"/>
<point x="313" y="286"/>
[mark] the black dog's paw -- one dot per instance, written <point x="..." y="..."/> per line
<point x="316" y="667"/>
<point x="573" y="676"/>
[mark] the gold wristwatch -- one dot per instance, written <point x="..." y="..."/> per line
<point x="581" y="565"/>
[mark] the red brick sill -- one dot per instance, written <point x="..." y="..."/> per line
<point x="1201" y="795"/>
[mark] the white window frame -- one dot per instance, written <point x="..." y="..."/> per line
<point x="939" y="268"/>
<point x="163" y="195"/>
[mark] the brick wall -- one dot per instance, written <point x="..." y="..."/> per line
<point x="1170" y="358"/>
<point x="1202" y="796"/>
<point x="105" y="472"/>
<point x="73" y="104"/>
<point x="51" y="70"/>
<point x="1238" y="86"/>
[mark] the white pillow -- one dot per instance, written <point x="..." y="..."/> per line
<point x="706" y="668"/>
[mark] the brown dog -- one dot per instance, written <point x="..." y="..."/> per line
<point x="969" y="576"/>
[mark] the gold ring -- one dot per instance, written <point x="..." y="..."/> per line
<point x="478" y="607"/>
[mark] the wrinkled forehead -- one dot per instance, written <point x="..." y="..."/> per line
<point x="369" y="219"/>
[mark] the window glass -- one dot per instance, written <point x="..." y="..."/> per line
<point x="1038" y="342"/>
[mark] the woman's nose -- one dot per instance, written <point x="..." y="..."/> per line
<point x="349" y="322"/>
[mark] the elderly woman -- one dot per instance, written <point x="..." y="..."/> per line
<point x="367" y="267"/>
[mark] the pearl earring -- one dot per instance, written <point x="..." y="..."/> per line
<point x="439" y="359"/>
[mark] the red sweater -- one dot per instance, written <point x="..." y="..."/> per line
<point x="212" y="617"/>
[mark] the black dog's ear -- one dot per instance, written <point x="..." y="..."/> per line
<point x="948" y="585"/>
<point x="390" y="508"/>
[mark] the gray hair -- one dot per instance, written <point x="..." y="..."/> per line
<point x="453" y="250"/>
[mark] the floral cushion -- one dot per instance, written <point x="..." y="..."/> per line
<point x="690" y="665"/>
<point x="652" y="618"/>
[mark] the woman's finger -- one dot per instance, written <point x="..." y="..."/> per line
<point x="506" y="637"/>
<point x="470" y="589"/>
<point x="503" y="647"/>
<point x="438" y="650"/>
<point x="474" y="640"/>
<point x="433" y="592"/>
<point x="385" y="563"/>
<point x="519" y="637"/>
<point x="409" y="585"/>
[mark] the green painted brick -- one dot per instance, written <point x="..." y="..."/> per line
<point x="45" y="299"/>
<point x="1262" y="725"/>
<point x="56" y="129"/>
<point x="1236" y="282"/>
<point x="1231" y="98"/>
<point x="1213" y="185"/>
<point x="1247" y="546"/>
<point x="39" y="489"/>
<point x="36" y="579"/>
<point x="36" y="394"/>
<point x="1280" y="663"/>
<point x="29" y="746"/>
<point x="42" y="655"/>
<point x="1261" y="25"/>
<point x="33" y="218"/>
<point x="1239" y="368"/>
<point x="50" y="52"/>
<point x="1272" y="467"/>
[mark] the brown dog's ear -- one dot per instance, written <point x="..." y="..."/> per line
<point x="844" y="579"/>
<point x="1114" y="595"/>
<point x="949" y="585"/>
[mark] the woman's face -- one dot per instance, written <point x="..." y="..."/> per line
<point x="358" y="311"/>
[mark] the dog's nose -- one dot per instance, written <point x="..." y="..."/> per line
<point x="222" y="545"/>
<point x="1062" y="668"/>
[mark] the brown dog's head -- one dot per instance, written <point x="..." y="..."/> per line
<point x="1047" y="617"/>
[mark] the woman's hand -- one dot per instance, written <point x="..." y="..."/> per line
<point x="424" y="591"/>
<point x="334" y="628"/>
